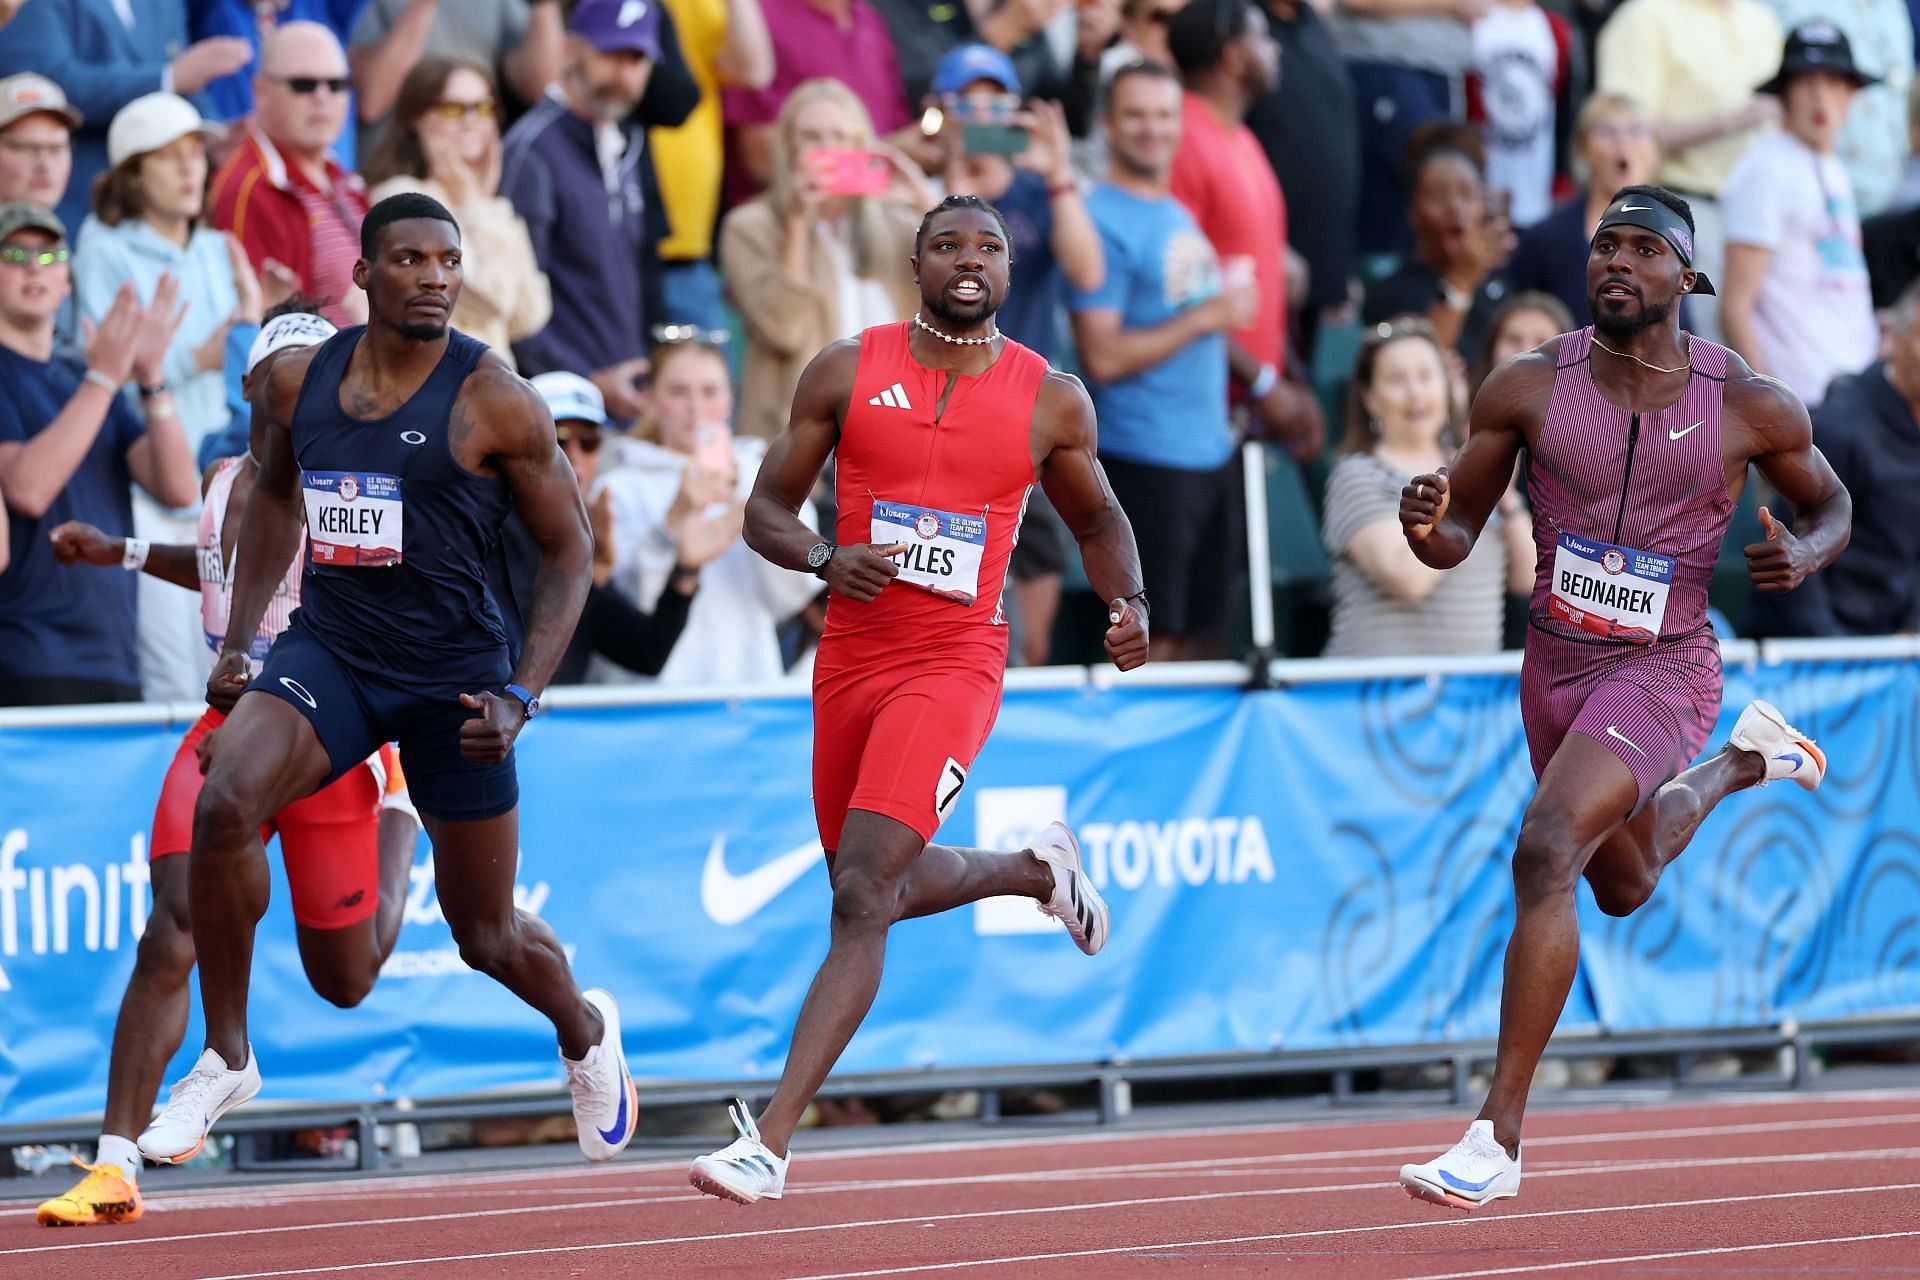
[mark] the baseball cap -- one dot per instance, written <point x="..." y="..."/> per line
<point x="611" y="26"/>
<point x="151" y="121"/>
<point x="27" y="93"/>
<point x="571" y="398"/>
<point x="295" y="329"/>
<point x="20" y="216"/>
<point x="970" y="62"/>
<point x="1817" y="46"/>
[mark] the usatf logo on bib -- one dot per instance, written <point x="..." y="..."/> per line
<point x="354" y="518"/>
<point x="1614" y="592"/>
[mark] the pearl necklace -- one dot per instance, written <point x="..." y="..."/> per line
<point x="958" y="342"/>
<point x="1628" y="355"/>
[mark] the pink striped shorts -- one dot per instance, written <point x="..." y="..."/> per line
<point x="1652" y="706"/>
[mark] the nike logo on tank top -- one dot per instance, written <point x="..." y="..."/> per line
<point x="399" y="534"/>
<point x="953" y="491"/>
<point x="1628" y="508"/>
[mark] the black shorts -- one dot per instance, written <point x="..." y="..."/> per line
<point x="1042" y="549"/>
<point x="354" y="712"/>
<point x="1188" y="525"/>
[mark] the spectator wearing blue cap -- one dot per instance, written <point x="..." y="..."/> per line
<point x="575" y="169"/>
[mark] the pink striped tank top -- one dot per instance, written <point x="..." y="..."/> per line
<point x="216" y="574"/>
<point x="1628" y="508"/>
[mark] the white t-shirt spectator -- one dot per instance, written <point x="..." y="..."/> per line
<point x="1814" y="316"/>
<point x="732" y="629"/>
<point x="1517" y="59"/>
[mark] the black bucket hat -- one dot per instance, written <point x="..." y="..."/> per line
<point x="1817" y="46"/>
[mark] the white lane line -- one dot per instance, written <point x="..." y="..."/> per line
<point x="380" y="1187"/>
<point x="1676" y="1253"/>
<point x="1809" y="1157"/>
<point x="1078" y="1253"/>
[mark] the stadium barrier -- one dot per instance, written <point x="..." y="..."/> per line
<point x="1312" y="872"/>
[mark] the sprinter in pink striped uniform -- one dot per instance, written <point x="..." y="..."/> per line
<point x="1638" y="439"/>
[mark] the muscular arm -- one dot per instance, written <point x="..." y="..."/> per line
<point x="1482" y="470"/>
<point x="269" y="532"/>
<point x="508" y="421"/>
<point x="1077" y="487"/>
<point x="1785" y="454"/>
<point x="774" y="528"/>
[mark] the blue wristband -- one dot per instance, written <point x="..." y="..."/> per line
<point x="527" y="699"/>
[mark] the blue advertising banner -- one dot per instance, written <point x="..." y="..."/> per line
<point x="1314" y="866"/>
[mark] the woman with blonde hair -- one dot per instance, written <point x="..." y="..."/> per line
<point x="808" y="261"/>
<point x="1614" y="146"/>
<point x="1401" y="423"/>
<point x="445" y="142"/>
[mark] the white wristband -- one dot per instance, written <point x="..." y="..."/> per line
<point x="103" y="382"/>
<point x="135" y="555"/>
<point x="1263" y="382"/>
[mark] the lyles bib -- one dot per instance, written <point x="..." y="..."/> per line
<point x="944" y="548"/>
<point x="1616" y="593"/>
<point x="353" y="518"/>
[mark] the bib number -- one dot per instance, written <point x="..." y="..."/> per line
<point x="1612" y="592"/>
<point x="353" y="518"/>
<point x="943" y="548"/>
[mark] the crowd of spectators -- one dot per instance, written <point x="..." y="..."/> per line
<point x="1235" y="219"/>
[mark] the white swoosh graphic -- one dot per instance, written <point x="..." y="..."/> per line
<point x="1615" y="733"/>
<point x="1675" y="435"/>
<point x="730" y="899"/>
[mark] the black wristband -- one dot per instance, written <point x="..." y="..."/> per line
<point x="685" y="571"/>
<point x="150" y="392"/>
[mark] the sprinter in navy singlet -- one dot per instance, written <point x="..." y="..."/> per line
<point x="403" y="446"/>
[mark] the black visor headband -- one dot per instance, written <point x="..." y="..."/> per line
<point x="1649" y="214"/>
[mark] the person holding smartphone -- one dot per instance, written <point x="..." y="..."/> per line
<point x="815" y="257"/>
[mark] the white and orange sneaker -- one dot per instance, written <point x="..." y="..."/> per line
<point x="604" y="1096"/>
<point x="1787" y="752"/>
<point x="1476" y="1172"/>
<point x="196" y="1104"/>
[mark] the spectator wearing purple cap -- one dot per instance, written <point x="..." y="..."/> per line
<point x="71" y="448"/>
<point x="104" y="54"/>
<point x="574" y="167"/>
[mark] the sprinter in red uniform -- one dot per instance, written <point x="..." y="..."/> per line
<point x="940" y="428"/>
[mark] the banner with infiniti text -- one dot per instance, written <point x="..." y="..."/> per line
<point x="1318" y="866"/>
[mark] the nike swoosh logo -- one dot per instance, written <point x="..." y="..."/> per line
<point x="1795" y="756"/>
<point x="612" y="1136"/>
<point x="1675" y="435"/>
<point x="1459" y="1184"/>
<point x="1633" y="208"/>
<point x="1615" y="733"/>
<point x="729" y="899"/>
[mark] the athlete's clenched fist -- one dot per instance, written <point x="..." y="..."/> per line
<point x="1422" y="503"/>
<point x="1127" y="636"/>
<point x="860" y="571"/>
<point x="488" y="737"/>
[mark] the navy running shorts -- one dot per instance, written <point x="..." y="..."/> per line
<point x="353" y="712"/>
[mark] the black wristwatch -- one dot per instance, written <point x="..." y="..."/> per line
<point x="818" y="556"/>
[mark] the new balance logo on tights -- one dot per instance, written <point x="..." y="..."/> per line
<point x="894" y="397"/>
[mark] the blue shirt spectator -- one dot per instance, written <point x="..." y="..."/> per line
<point x="1171" y="412"/>
<point x="104" y="60"/>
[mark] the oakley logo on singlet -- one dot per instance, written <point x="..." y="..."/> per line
<point x="353" y="518"/>
<point x="1614" y="592"/>
<point x="944" y="548"/>
<point x="414" y="437"/>
<point x="1675" y="435"/>
<point x="894" y="397"/>
<point x="299" y="691"/>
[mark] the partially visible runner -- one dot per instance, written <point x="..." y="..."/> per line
<point x="408" y="444"/>
<point x="1638" y="440"/>
<point x="347" y="848"/>
<point x="939" y="428"/>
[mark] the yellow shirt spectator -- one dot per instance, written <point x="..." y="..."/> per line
<point x="725" y="42"/>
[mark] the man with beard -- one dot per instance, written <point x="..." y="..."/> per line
<point x="1638" y="439"/>
<point x="575" y="169"/>
<point x="939" y="428"/>
<point x="407" y="445"/>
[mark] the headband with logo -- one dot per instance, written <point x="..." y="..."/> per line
<point x="294" y="329"/>
<point x="1652" y="215"/>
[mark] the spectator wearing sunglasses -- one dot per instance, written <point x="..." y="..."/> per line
<point x="104" y="54"/>
<point x="446" y="142"/>
<point x="281" y="192"/>
<point x="72" y="448"/>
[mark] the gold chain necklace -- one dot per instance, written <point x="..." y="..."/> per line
<point x="1624" y="355"/>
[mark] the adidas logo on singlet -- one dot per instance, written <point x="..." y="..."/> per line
<point x="894" y="397"/>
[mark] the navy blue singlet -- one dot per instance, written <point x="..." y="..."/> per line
<point x="399" y="534"/>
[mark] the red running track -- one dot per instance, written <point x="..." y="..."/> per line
<point x="1820" y="1185"/>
